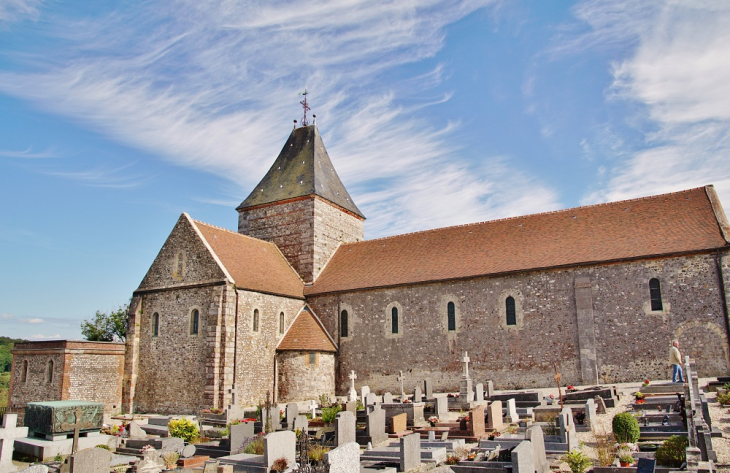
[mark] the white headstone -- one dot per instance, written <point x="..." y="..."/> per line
<point x="353" y="391"/>
<point x="387" y="398"/>
<point x="364" y="391"/>
<point x="344" y="459"/>
<point x="280" y="445"/>
<point x="479" y="392"/>
<point x="401" y="378"/>
<point x="512" y="411"/>
<point x="8" y="433"/>
<point x="465" y="365"/>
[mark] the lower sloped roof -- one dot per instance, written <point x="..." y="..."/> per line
<point x="680" y="222"/>
<point x="306" y="333"/>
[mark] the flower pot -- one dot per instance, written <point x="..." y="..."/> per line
<point x="625" y="464"/>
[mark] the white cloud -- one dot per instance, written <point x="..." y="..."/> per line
<point x="14" y="10"/>
<point x="678" y="71"/>
<point x="212" y="86"/>
<point x="32" y="321"/>
<point x="28" y="153"/>
<point x="6" y="316"/>
<point x="40" y="336"/>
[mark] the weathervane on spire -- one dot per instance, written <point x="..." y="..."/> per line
<point x="305" y="122"/>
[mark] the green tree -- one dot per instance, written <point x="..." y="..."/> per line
<point x="105" y="327"/>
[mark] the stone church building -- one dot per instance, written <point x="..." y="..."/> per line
<point x="297" y="298"/>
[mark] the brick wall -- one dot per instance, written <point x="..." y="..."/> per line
<point x="300" y="380"/>
<point x="631" y="342"/>
<point x="307" y="230"/>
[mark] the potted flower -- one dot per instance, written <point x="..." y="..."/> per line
<point x="550" y="399"/>
<point x="639" y="397"/>
<point x="170" y="458"/>
<point x="570" y="388"/>
<point x="433" y="420"/>
<point x="646" y="383"/>
<point x="493" y="434"/>
<point x="625" y="459"/>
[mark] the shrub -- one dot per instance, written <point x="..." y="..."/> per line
<point x="170" y="458"/>
<point x="625" y="428"/>
<point x="316" y="453"/>
<point x="329" y="414"/>
<point x="626" y="458"/>
<point x="605" y="448"/>
<point x="255" y="446"/>
<point x="280" y="464"/>
<point x="672" y="452"/>
<point x="577" y="461"/>
<point x="103" y="447"/>
<point x="184" y="429"/>
<point x="724" y="398"/>
<point x="324" y="400"/>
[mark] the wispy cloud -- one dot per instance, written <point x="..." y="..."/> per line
<point x="678" y="73"/>
<point x="115" y="178"/>
<point x="13" y="10"/>
<point x="31" y="321"/>
<point x="40" y="336"/>
<point x="6" y="316"/>
<point x="208" y="86"/>
<point x="28" y="153"/>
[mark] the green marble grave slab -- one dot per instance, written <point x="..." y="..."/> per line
<point x="59" y="417"/>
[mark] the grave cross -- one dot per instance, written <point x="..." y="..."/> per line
<point x="557" y="380"/>
<point x="353" y="392"/>
<point x="465" y="360"/>
<point x="8" y="433"/>
<point x="76" y="427"/>
<point x="401" y="378"/>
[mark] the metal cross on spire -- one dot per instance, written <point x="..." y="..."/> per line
<point x="305" y="122"/>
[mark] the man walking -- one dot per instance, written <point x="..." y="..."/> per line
<point x="675" y="359"/>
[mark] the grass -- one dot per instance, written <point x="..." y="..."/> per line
<point x="4" y="382"/>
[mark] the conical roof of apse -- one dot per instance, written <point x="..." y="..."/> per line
<point x="302" y="168"/>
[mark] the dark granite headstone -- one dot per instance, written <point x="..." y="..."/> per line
<point x="58" y="417"/>
<point x="646" y="465"/>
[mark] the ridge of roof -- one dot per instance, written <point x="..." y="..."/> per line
<point x="315" y="175"/>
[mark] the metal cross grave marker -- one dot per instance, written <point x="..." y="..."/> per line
<point x="76" y="427"/>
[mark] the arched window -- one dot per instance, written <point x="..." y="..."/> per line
<point x="451" y="314"/>
<point x="511" y="314"/>
<point x="24" y="372"/>
<point x="255" y="320"/>
<point x="343" y="324"/>
<point x="49" y="372"/>
<point x="655" y="292"/>
<point x="394" y="320"/>
<point x="155" y="324"/>
<point x="281" y="322"/>
<point x="194" y="322"/>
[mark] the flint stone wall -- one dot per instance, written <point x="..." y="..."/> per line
<point x="631" y="341"/>
<point x="299" y="381"/>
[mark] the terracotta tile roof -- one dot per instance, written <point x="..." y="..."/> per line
<point x="680" y="222"/>
<point x="306" y="334"/>
<point x="253" y="264"/>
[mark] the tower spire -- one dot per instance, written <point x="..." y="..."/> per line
<point x="305" y="122"/>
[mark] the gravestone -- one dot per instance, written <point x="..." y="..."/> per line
<point x="189" y="450"/>
<point x="431" y="435"/>
<point x="410" y="452"/>
<point x="371" y="399"/>
<point x="590" y="413"/>
<point x="388" y="398"/>
<point x="272" y="415"/>
<point x="402" y="378"/>
<point x="280" y="445"/>
<point x="301" y="423"/>
<point x="313" y="408"/>
<point x="494" y="415"/>
<point x="398" y="423"/>
<point x="90" y="460"/>
<point x="240" y="435"/>
<point x="536" y="437"/>
<point x="344" y="459"/>
<point x="135" y="431"/>
<point x="8" y="433"/>
<point x="490" y="389"/>
<point x="476" y="420"/>
<point x="428" y="388"/>
<point x="292" y="411"/>
<point x="466" y="392"/>
<point x="442" y="406"/>
<point x="417" y="394"/>
<point x="523" y="458"/>
<point x="211" y="466"/>
<point x="344" y="428"/>
<point x="567" y="428"/>
<point x="375" y="427"/>
<point x="512" y="411"/>
<point x="351" y="406"/>
<point x="646" y="465"/>
<point x="353" y="391"/>
<point x="600" y="405"/>
<point x="479" y="395"/>
<point x="151" y="462"/>
<point x="364" y="391"/>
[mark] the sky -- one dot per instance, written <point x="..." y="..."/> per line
<point x="116" y="117"/>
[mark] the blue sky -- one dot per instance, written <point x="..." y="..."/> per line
<point x="115" y="117"/>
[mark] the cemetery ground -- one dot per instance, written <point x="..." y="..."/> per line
<point x="587" y="439"/>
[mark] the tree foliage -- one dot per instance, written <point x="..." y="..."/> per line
<point x="111" y="327"/>
<point x="6" y="358"/>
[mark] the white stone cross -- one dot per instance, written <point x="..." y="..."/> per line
<point x="353" y="391"/>
<point x="466" y="361"/>
<point x="402" y="378"/>
<point x="313" y="407"/>
<point x="8" y="433"/>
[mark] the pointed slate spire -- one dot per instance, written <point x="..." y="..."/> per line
<point x="302" y="168"/>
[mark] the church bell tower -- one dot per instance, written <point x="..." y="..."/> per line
<point x="302" y="206"/>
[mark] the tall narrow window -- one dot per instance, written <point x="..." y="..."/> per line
<point x="312" y="359"/>
<point x="511" y="314"/>
<point x="194" y="321"/>
<point x="24" y="372"/>
<point x="655" y="292"/>
<point x="155" y="324"/>
<point x="49" y="372"/>
<point x="281" y="322"/>
<point x="451" y="313"/>
<point x="256" y="320"/>
<point x="394" y="320"/>
<point x="343" y="324"/>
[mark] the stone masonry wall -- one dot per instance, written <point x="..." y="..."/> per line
<point x="631" y="342"/>
<point x="256" y="351"/>
<point x="306" y="230"/>
<point x="97" y="378"/>
<point x="299" y="380"/>
<point x="35" y="388"/>
<point x="172" y="367"/>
